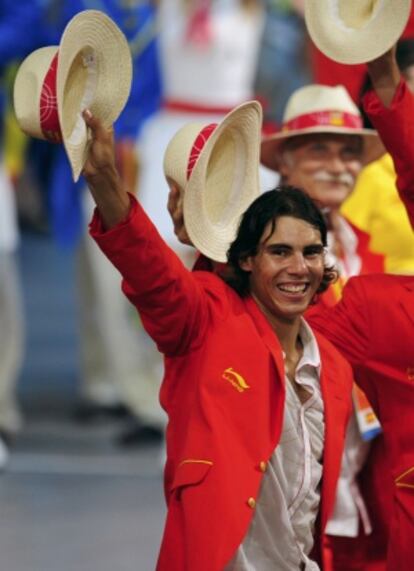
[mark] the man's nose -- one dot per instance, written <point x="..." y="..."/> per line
<point x="336" y="164"/>
<point x="298" y="264"/>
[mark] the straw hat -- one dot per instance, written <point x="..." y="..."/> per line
<point x="320" y="109"/>
<point x="217" y="168"/>
<point x="356" y="31"/>
<point x="91" y="68"/>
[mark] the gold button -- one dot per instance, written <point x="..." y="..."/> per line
<point x="263" y="466"/>
<point x="251" y="502"/>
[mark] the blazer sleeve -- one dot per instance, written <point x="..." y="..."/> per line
<point x="346" y="324"/>
<point x="171" y="301"/>
<point x="395" y="126"/>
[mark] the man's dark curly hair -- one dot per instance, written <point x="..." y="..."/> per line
<point x="267" y="208"/>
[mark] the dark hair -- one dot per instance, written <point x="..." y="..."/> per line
<point x="404" y="55"/>
<point x="267" y="208"/>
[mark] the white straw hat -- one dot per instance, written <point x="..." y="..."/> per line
<point x="356" y="31"/>
<point x="91" y="68"/>
<point x="320" y="109"/>
<point x="217" y="168"/>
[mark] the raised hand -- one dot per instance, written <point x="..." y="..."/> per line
<point x="101" y="174"/>
<point x="175" y="209"/>
<point x="385" y="76"/>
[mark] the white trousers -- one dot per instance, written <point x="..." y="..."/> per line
<point x="119" y="361"/>
<point x="11" y="342"/>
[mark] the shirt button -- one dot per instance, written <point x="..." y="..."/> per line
<point x="251" y="502"/>
<point x="263" y="466"/>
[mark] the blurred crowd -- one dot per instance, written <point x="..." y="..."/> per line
<point x="193" y="60"/>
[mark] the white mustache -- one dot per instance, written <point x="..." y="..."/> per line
<point x="342" y="178"/>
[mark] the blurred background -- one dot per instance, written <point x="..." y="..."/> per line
<point x="81" y="431"/>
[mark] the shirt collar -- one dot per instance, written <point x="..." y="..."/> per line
<point x="311" y="355"/>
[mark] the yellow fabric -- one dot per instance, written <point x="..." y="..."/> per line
<point x="376" y="208"/>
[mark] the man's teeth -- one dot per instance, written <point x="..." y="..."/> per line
<point x="299" y="288"/>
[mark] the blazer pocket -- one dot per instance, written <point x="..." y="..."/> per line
<point x="190" y="472"/>
<point x="406" y="479"/>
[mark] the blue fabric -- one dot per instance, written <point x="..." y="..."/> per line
<point x="21" y="28"/>
<point x="21" y="31"/>
<point x="64" y="198"/>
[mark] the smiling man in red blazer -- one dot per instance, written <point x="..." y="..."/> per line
<point x="257" y="403"/>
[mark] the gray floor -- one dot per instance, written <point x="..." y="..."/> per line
<point x="71" y="500"/>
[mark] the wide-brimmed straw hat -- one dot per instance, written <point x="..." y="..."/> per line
<point x="91" y="68"/>
<point x="356" y="31"/>
<point x="320" y="109"/>
<point x="217" y="168"/>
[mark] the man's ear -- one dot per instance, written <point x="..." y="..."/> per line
<point x="284" y="164"/>
<point x="246" y="264"/>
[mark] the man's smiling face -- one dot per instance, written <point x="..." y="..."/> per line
<point x="287" y="270"/>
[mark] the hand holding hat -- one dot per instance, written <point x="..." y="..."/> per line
<point x="356" y="31"/>
<point x="101" y="173"/>
<point x="91" y="68"/>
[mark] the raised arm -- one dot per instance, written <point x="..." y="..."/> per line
<point x="391" y="110"/>
<point x="173" y="305"/>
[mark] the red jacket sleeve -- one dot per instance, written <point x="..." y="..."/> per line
<point x="346" y="324"/>
<point x="396" y="128"/>
<point x="170" y="300"/>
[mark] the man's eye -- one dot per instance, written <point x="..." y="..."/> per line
<point x="279" y="252"/>
<point x="318" y="148"/>
<point x="313" y="252"/>
<point x="350" y="154"/>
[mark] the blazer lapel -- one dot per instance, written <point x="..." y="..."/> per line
<point x="268" y="335"/>
<point x="337" y="405"/>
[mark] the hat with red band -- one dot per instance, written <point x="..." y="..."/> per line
<point x="91" y="68"/>
<point x="216" y="166"/>
<point x="320" y="109"/>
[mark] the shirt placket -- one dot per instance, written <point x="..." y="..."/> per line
<point x="305" y="486"/>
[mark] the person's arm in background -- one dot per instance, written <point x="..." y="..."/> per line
<point x="347" y="326"/>
<point x="390" y="107"/>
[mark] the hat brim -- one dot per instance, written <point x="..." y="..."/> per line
<point x="92" y="41"/>
<point x="355" y="45"/>
<point x="270" y="157"/>
<point x="240" y="132"/>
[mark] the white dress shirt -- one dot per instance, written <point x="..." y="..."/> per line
<point x="280" y="536"/>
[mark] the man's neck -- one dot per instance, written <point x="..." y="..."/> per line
<point x="287" y="330"/>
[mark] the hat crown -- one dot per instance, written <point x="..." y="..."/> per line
<point x="314" y="98"/>
<point x="28" y="88"/>
<point x="178" y="151"/>
<point x="355" y="14"/>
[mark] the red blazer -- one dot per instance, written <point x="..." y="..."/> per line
<point x="224" y="394"/>
<point x="373" y="326"/>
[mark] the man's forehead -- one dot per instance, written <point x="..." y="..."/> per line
<point x="286" y="230"/>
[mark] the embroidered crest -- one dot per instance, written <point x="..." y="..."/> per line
<point x="235" y="379"/>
